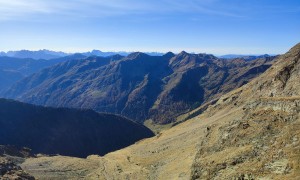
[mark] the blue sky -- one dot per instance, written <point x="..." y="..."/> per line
<point x="201" y="26"/>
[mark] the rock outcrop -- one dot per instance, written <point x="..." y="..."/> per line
<point x="9" y="157"/>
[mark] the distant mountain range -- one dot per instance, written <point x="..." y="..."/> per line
<point x="69" y="132"/>
<point x="246" y="57"/>
<point x="138" y="86"/>
<point x="122" y="53"/>
<point x="41" y="54"/>
<point x="47" y="54"/>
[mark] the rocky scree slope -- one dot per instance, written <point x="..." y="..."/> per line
<point x="138" y="86"/>
<point x="63" y="131"/>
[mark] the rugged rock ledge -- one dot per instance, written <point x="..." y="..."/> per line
<point x="10" y="156"/>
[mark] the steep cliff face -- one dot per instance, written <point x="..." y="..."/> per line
<point x="138" y="86"/>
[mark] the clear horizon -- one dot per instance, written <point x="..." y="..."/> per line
<point x="35" y="50"/>
<point x="201" y="26"/>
